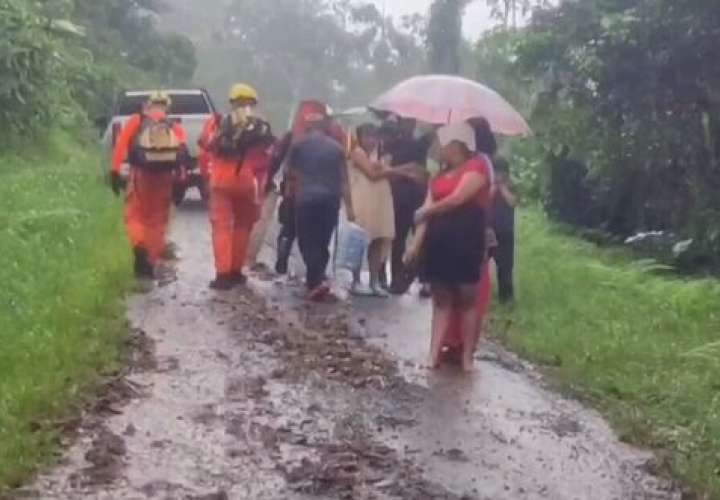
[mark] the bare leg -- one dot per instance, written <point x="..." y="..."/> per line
<point x="377" y="254"/>
<point x="470" y="325"/>
<point x="357" y="286"/>
<point x="442" y="313"/>
<point x="480" y="332"/>
<point x="375" y="261"/>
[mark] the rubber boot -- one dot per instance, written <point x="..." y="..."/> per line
<point x="284" y="248"/>
<point x="223" y="282"/>
<point x="238" y="278"/>
<point x="143" y="267"/>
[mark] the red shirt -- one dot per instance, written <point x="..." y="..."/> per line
<point x="445" y="184"/>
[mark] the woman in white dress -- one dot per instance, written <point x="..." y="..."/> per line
<point x="373" y="205"/>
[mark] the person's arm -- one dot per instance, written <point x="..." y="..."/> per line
<point x="122" y="142"/>
<point x="291" y="161"/>
<point x="204" y="146"/>
<point x="207" y="135"/>
<point x="413" y="171"/>
<point x="181" y="134"/>
<point x="362" y="162"/>
<point x="291" y="178"/>
<point x="418" y="238"/>
<point x="503" y="189"/>
<point x="282" y="149"/>
<point x="346" y="191"/>
<point x="468" y="188"/>
<point x="262" y="158"/>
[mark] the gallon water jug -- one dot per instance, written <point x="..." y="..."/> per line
<point x="353" y="243"/>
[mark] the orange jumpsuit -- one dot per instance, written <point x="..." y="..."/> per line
<point x="235" y="198"/>
<point x="149" y="194"/>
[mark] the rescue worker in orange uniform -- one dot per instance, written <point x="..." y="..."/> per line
<point x="150" y="179"/>
<point x="237" y="182"/>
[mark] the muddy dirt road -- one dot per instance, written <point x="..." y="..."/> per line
<point x="254" y="395"/>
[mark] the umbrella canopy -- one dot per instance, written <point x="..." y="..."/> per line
<point x="440" y="99"/>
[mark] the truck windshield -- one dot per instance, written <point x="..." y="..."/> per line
<point x="182" y="104"/>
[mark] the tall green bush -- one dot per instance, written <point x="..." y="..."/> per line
<point x="62" y="60"/>
<point x="33" y="89"/>
<point x="632" y="89"/>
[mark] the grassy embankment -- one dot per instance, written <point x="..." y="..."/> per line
<point x="643" y="348"/>
<point x="63" y="269"/>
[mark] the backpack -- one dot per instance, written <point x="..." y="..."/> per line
<point x="156" y="146"/>
<point x="239" y="132"/>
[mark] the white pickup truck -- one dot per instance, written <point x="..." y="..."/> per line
<point x="190" y="107"/>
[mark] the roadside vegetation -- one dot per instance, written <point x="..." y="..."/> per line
<point x="63" y="269"/>
<point x="64" y="266"/>
<point x="626" y="142"/>
<point x="639" y="345"/>
<point x="625" y="110"/>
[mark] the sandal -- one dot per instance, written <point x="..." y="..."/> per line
<point x="359" y="290"/>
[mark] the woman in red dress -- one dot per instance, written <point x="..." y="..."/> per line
<point x="486" y="146"/>
<point x="451" y="231"/>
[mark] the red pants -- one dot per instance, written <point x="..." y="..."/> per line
<point x="233" y="212"/>
<point x="147" y="210"/>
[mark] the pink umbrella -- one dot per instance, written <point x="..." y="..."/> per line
<point x="439" y="99"/>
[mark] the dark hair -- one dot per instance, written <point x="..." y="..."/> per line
<point x="366" y="129"/>
<point x="389" y="131"/>
<point x="407" y="125"/>
<point x="485" y="141"/>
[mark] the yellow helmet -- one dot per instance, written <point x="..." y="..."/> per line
<point x="243" y="91"/>
<point x="159" y="97"/>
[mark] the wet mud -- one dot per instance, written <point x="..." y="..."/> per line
<point x="254" y="394"/>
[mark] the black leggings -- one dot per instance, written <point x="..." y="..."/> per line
<point x="406" y="201"/>
<point x="504" y="261"/>
<point x="287" y="235"/>
<point x="316" y="221"/>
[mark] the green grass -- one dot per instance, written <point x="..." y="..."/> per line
<point x="643" y="348"/>
<point x="63" y="269"/>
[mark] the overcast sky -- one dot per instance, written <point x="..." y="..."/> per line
<point x="477" y="16"/>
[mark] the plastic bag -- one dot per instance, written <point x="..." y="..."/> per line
<point x="353" y="244"/>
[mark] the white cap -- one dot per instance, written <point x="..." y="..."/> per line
<point x="460" y="132"/>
